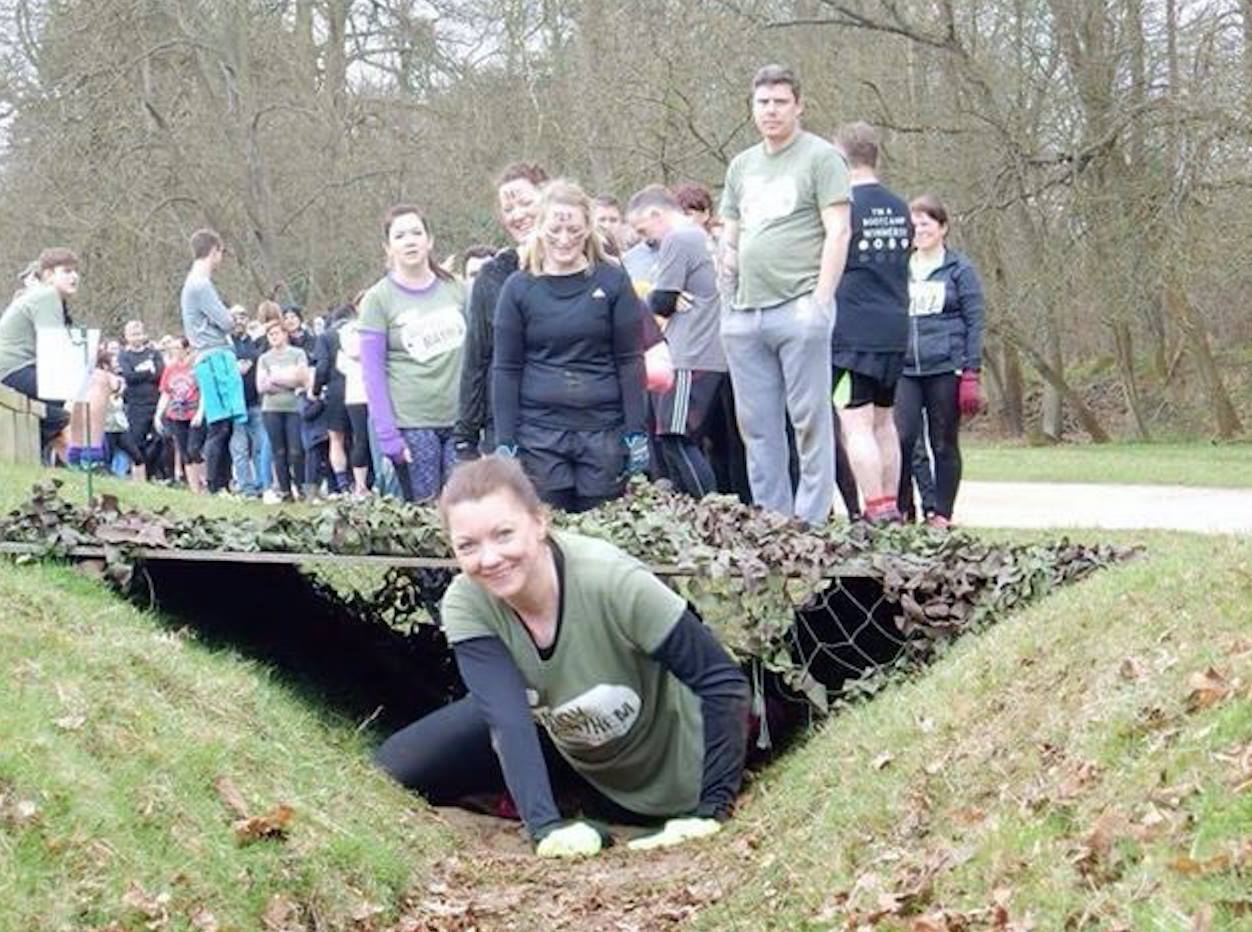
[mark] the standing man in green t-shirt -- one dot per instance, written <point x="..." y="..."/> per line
<point x="786" y="206"/>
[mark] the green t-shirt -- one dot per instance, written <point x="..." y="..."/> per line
<point x="620" y="718"/>
<point x="37" y="307"/>
<point x="778" y="198"/>
<point x="282" y="399"/>
<point x="425" y="342"/>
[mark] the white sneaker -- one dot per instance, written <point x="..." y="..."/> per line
<point x="272" y="497"/>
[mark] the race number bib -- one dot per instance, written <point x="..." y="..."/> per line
<point x="602" y="714"/>
<point x="925" y="298"/>
<point x="429" y="334"/>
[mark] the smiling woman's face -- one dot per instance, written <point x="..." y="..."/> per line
<point x="497" y="541"/>
<point x="519" y="206"/>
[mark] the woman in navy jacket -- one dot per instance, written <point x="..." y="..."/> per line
<point x="943" y="361"/>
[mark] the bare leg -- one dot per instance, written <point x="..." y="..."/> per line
<point x="888" y="448"/>
<point x="864" y="451"/>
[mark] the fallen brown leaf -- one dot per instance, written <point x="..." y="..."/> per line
<point x="1192" y="867"/>
<point x="1171" y="797"/>
<point x="1093" y="854"/>
<point x="1207" y="689"/>
<point x="231" y="797"/>
<point x="141" y="901"/>
<point x="271" y="825"/>
<point x="1077" y="779"/>
<point x="281" y="915"/>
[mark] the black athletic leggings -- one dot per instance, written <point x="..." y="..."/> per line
<point x="217" y="454"/>
<point x="936" y="394"/>
<point x="121" y="440"/>
<point x="359" y="418"/>
<point x="188" y="440"/>
<point x="446" y="756"/>
<point x="283" y="429"/>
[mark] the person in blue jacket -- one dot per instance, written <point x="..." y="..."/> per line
<point x="943" y="362"/>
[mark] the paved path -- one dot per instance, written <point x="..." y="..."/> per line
<point x="1055" y="504"/>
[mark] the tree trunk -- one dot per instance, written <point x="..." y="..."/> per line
<point x="1052" y="416"/>
<point x="1123" y="344"/>
<point x="1013" y="405"/>
<point x="1197" y="337"/>
<point x="1055" y="377"/>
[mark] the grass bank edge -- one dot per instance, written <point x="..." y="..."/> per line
<point x="115" y="727"/>
<point x="1006" y="755"/>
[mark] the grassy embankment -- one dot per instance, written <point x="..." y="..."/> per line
<point x="1067" y="764"/>
<point x="1074" y="762"/>
<point x="1190" y="464"/>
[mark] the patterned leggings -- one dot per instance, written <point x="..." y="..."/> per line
<point x="431" y="458"/>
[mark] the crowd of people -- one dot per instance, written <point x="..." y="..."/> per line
<point x="809" y="334"/>
<point x="812" y="332"/>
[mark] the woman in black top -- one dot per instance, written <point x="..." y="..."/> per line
<point x="568" y="375"/>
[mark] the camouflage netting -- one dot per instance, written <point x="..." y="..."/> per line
<point x="815" y="608"/>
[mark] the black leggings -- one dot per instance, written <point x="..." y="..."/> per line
<point x="447" y="756"/>
<point x="283" y="429"/>
<point x="359" y="418"/>
<point x="936" y="395"/>
<point x="217" y="454"/>
<point x="121" y="440"/>
<point x="188" y="440"/>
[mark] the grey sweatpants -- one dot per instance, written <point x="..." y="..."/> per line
<point x="779" y="360"/>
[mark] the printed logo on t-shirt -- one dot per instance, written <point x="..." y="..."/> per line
<point x="426" y="334"/>
<point x="602" y="714"/>
<point x="925" y="298"/>
<point x="767" y="199"/>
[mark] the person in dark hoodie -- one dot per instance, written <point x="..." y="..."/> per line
<point x="141" y="365"/>
<point x="944" y="357"/>
<point x="517" y="193"/>
<point x="568" y="372"/>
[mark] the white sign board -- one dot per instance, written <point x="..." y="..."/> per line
<point x="64" y="358"/>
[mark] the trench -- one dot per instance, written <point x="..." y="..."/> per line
<point x="377" y="658"/>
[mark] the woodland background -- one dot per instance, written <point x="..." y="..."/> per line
<point x="1096" y="154"/>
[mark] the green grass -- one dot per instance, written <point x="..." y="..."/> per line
<point x="1037" y="758"/>
<point x="16" y="481"/>
<point x="113" y="729"/>
<point x="1191" y="464"/>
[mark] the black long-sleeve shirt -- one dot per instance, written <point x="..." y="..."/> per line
<point x="474" y="414"/>
<point x="142" y="385"/>
<point x="568" y="353"/>
<point x="690" y="652"/>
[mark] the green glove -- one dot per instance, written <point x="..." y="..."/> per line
<point x="677" y="831"/>
<point x="574" y="840"/>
